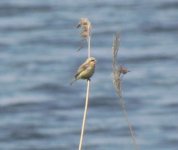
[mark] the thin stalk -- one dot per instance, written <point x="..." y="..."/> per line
<point x="89" y="46"/>
<point x="117" y="80"/>
<point x="86" y="101"/>
<point x="127" y="120"/>
<point x="84" y="115"/>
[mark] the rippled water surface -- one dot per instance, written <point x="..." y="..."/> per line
<point x="39" y="110"/>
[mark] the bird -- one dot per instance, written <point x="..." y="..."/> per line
<point x="86" y="70"/>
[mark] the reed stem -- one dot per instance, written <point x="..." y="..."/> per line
<point x="117" y="80"/>
<point x="89" y="46"/>
<point x="84" y="115"/>
<point x="86" y="100"/>
<point x="128" y="122"/>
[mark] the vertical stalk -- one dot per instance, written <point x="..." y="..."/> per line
<point x="117" y="72"/>
<point x="86" y="100"/>
<point x="89" y="46"/>
<point x="84" y="115"/>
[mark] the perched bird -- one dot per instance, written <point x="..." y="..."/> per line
<point x="86" y="70"/>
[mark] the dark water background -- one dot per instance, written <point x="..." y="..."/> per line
<point x="39" y="110"/>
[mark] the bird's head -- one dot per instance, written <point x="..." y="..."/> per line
<point x="91" y="60"/>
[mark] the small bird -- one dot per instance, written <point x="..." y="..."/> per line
<point x="86" y="70"/>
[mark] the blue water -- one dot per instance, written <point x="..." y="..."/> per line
<point x="39" y="110"/>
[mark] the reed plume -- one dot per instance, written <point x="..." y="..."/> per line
<point x="85" y="26"/>
<point x="85" y="33"/>
<point x="118" y="72"/>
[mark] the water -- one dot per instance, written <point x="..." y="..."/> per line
<point x="39" y="110"/>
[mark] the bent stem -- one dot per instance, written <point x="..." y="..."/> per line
<point x="84" y="115"/>
<point x="127" y="119"/>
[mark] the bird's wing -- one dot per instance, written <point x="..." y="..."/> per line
<point x="81" y="68"/>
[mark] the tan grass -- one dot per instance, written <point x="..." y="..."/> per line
<point x="118" y="71"/>
<point x="85" y="33"/>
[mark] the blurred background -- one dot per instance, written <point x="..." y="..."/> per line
<point x="39" y="110"/>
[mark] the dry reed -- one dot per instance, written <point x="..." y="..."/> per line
<point x="118" y="71"/>
<point x="85" y="33"/>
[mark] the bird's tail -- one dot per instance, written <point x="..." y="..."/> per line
<point x="73" y="81"/>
